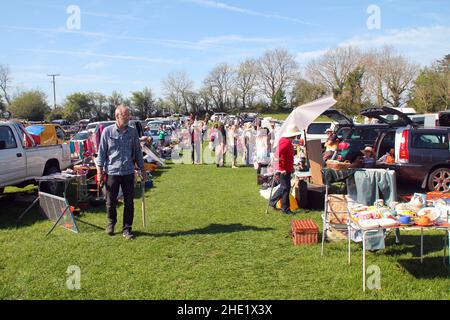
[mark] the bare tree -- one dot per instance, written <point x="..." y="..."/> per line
<point x="219" y="84"/>
<point x="205" y="99"/>
<point x="176" y="88"/>
<point x="246" y="81"/>
<point x="331" y="69"/>
<point x="113" y="101"/>
<point x="99" y="105"/>
<point x="390" y="76"/>
<point x="399" y="79"/>
<point x="5" y="82"/>
<point x="277" y="70"/>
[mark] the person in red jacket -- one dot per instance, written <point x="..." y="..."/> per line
<point x="285" y="154"/>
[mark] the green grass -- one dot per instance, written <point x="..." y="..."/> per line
<point x="207" y="237"/>
<point x="278" y="116"/>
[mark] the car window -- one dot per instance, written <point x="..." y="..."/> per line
<point x="91" y="126"/>
<point x="364" y="134"/>
<point x="387" y="143"/>
<point x="7" y="136"/>
<point x="343" y="133"/>
<point x="418" y="120"/>
<point x="318" y="128"/>
<point x="430" y="141"/>
<point x="81" y="136"/>
<point x="59" y="133"/>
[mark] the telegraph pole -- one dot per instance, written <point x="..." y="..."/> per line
<point x="54" y="90"/>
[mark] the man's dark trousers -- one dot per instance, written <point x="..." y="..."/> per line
<point x="282" y="192"/>
<point x="113" y="183"/>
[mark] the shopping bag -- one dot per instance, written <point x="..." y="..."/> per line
<point x="292" y="203"/>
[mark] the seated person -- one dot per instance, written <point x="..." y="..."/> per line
<point x="331" y="146"/>
<point x="368" y="159"/>
<point x="389" y="157"/>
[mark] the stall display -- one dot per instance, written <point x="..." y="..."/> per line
<point x="370" y="217"/>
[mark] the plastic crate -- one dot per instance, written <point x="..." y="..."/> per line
<point x="304" y="231"/>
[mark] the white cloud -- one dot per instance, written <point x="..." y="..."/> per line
<point x="88" y="79"/>
<point x="422" y="44"/>
<point x="117" y="56"/>
<point x="418" y="37"/>
<point x="113" y="16"/>
<point x="305" y="56"/>
<point x="104" y="36"/>
<point x="224" y="6"/>
<point x="94" y="65"/>
<point x="239" y="39"/>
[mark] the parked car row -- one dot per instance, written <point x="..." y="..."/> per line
<point x="422" y="153"/>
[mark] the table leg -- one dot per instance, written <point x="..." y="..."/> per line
<point x="448" y="243"/>
<point x="349" y="249"/>
<point x="325" y="218"/>
<point x="421" y="245"/>
<point x="364" y="261"/>
<point x="323" y="236"/>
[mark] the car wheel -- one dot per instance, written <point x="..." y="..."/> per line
<point x="439" y="180"/>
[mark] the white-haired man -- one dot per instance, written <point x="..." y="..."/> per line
<point x="118" y="152"/>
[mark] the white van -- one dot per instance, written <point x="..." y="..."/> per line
<point x="428" y="120"/>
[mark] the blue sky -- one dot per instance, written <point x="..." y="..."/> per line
<point x="127" y="45"/>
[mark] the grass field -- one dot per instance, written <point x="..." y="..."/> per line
<point x="207" y="237"/>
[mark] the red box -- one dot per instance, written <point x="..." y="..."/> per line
<point x="304" y="231"/>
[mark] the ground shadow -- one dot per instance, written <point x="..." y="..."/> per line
<point x="86" y="227"/>
<point x="14" y="205"/>
<point x="431" y="268"/>
<point x="159" y="172"/>
<point x="211" y="229"/>
<point x="410" y="244"/>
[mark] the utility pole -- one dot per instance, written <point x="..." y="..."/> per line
<point x="54" y="91"/>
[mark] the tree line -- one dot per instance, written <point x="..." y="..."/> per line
<point x="272" y="83"/>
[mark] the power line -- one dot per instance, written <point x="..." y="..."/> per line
<point x="54" y="88"/>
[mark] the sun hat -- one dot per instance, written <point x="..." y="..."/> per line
<point x="292" y="131"/>
<point x="367" y="149"/>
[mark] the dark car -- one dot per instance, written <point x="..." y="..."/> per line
<point x="444" y="118"/>
<point x="248" y="117"/>
<point x="422" y="155"/>
<point x="353" y="137"/>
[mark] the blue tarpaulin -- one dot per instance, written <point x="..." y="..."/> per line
<point x="35" y="130"/>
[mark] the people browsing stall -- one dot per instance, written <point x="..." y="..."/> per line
<point x="195" y="137"/>
<point x="232" y="136"/>
<point x="161" y="137"/>
<point x="272" y="132"/>
<point x="220" y="143"/>
<point x="119" y="151"/>
<point x="285" y="167"/>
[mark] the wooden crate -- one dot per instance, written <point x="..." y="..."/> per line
<point x="304" y="231"/>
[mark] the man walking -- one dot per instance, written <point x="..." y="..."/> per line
<point x="119" y="151"/>
<point x="285" y="153"/>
